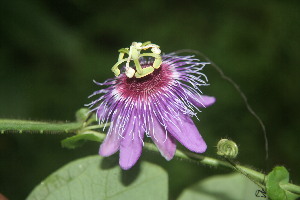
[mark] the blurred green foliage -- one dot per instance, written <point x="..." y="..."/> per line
<point x="50" y="52"/>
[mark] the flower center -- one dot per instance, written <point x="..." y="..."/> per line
<point x="147" y="85"/>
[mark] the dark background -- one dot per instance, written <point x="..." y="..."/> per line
<point x="52" y="50"/>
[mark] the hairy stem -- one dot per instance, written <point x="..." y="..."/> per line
<point x="25" y="126"/>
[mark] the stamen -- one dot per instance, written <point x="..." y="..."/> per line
<point x="134" y="54"/>
<point x="129" y="72"/>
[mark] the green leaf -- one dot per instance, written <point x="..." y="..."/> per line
<point x="80" y="139"/>
<point x="223" y="187"/>
<point x="97" y="178"/>
<point x="275" y="182"/>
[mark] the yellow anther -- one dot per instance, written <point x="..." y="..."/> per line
<point x="129" y="71"/>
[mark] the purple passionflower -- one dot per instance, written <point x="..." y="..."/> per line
<point x="159" y="105"/>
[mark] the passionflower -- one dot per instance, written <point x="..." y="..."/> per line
<point x="156" y="97"/>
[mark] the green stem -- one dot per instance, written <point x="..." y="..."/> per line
<point x="24" y="126"/>
<point x="291" y="187"/>
<point x="96" y="126"/>
<point x="213" y="162"/>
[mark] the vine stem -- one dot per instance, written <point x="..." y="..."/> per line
<point x="213" y="162"/>
<point x="26" y="126"/>
<point x="23" y="126"/>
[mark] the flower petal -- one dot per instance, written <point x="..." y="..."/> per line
<point x="202" y="101"/>
<point x="162" y="139"/>
<point x="185" y="131"/>
<point x="132" y="144"/>
<point x="111" y="143"/>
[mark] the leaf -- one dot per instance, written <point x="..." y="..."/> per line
<point x="97" y="178"/>
<point x="277" y="178"/>
<point x="80" y="139"/>
<point x="223" y="187"/>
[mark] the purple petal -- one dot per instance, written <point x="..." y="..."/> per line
<point x="132" y="144"/>
<point x="202" y="101"/>
<point x="162" y="139"/>
<point x="185" y="131"/>
<point x="111" y="143"/>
